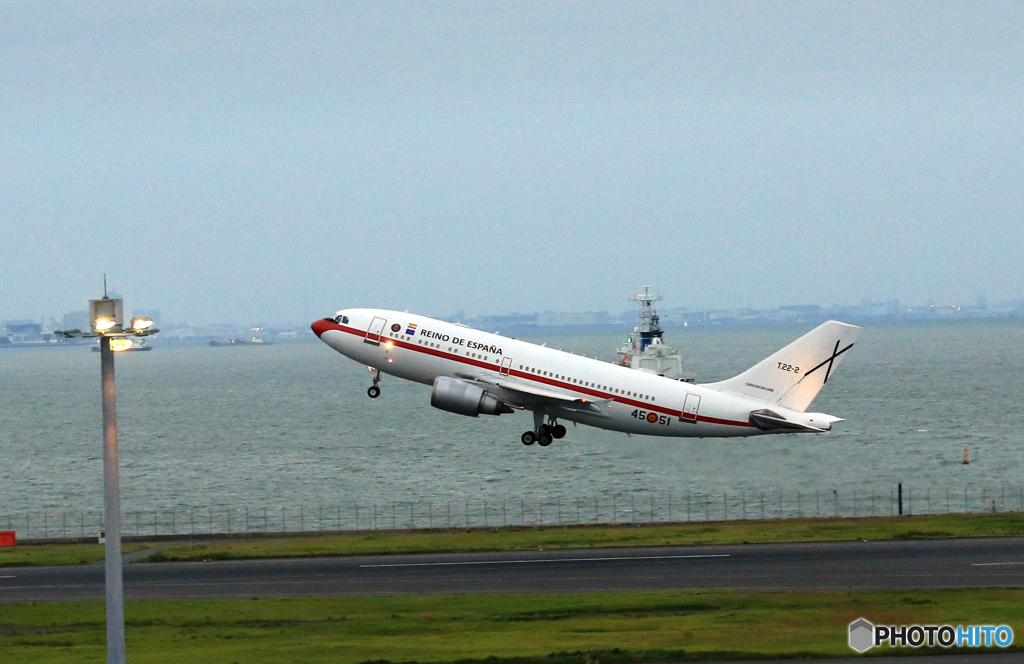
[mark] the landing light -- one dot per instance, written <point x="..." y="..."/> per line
<point x="103" y="324"/>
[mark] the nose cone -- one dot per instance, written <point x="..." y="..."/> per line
<point x="321" y="326"/>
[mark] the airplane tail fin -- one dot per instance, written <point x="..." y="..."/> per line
<point x="793" y="376"/>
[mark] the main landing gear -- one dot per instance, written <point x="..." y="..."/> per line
<point x="543" y="434"/>
<point x="374" y="391"/>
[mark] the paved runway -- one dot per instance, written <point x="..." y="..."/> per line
<point x="829" y="566"/>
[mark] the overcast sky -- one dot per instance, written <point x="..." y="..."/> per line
<point x="267" y="162"/>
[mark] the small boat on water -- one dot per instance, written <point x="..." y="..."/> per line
<point x="253" y="340"/>
<point x="645" y="350"/>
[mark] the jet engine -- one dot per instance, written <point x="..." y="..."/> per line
<point x="458" y="396"/>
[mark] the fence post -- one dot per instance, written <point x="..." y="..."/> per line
<point x="266" y="523"/>
<point x="467" y="514"/>
<point x="595" y="509"/>
<point x="707" y="509"/>
<point x="725" y="508"/>
<point x="947" y="500"/>
<point x="577" y="510"/>
<point x="762" y="505"/>
<point x="559" y="501"/>
<point x="615" y="510"/>
<point x="504" y="513"/>
<point x="743" y="497"/>
<point x="835" y="494"/>
<point x="522" y="512"/>
<point x="632" y="508"/>
<point x="928" y="499"/>
<point x="357" y="516"/>
<point x="652" y="507"/>
<point x="817" y="502"/>
<point x="375" y="516"/>
<point x="320" y="517"/>
<point x="412" y="514"/>
<point x="670" y="507"/>
<point x="430" y="515"/>
<point x="799" y="505"/>
<point x="394" y="515"/>
<point x="687" y="505"/>
<point x="485" y="515"/>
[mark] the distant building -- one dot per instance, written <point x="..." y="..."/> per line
<point x="23" y="331"/>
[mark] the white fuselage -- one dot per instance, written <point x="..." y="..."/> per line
<point x="422" y="349"/>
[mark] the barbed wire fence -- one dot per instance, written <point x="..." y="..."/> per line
<point x="635" y="507"/>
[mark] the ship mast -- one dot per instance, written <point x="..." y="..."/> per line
<point x="650" y="329"/>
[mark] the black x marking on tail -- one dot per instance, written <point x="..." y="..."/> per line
<point x="835" y="353"/>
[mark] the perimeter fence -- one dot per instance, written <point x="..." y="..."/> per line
<point x="638" y="507"/>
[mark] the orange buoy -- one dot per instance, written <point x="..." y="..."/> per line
<point x="965" y="461"/>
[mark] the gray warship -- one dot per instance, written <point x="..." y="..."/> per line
<point x="646" y="350"/>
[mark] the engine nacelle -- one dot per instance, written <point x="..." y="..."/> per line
<point x="458" y="396"/>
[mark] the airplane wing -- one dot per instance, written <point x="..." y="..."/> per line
<point x="531" y="394"/>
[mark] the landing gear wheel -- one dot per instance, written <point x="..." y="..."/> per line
<point x="557" y="431"/>
<point x="543" y="430"/>
<point x="544" y="439"/>
<point x="529" y="438"/>
<point x="373" y="392"/>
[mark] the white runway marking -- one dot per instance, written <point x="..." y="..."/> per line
<point x="989" y="564"/>
<point x="546" y="560"/>
<point x="8" y="577"/>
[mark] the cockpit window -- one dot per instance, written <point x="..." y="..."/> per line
<point x="343" y="320"/>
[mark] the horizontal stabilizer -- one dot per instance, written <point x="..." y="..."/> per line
<point x="768" y="420"/>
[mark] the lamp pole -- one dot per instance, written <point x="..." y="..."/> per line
<point x="107" y="322"/>
<point x="112" y="509"/>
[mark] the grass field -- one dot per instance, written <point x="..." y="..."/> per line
<point x="579" y="537"/>
<point x="548" y="537"/>
<point x="608" y="627"/>
<point x="59" y="554"/>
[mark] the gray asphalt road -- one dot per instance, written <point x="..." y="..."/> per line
<point x="859" y="565"/>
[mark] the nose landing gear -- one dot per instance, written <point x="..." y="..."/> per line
<point x="374" y="391"/>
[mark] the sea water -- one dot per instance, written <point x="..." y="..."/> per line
<point x="290" y="424"/>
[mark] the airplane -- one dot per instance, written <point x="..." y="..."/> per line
<point x="477" y="373"/>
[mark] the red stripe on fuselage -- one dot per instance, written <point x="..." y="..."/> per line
<point x="326" y="325"/>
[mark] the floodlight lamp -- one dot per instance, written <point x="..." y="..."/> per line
<point x="104" y="324"/>
<point x="121" y="344"/>
<point x="141" y="323"/>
